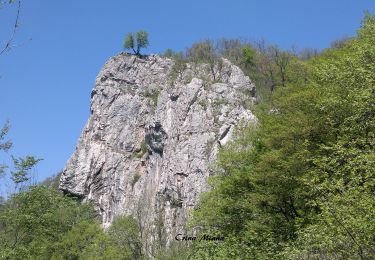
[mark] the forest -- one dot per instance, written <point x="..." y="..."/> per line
<point x="300" y="184"/>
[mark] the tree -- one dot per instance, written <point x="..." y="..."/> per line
<point x="204" y="52"/>
<point x="4" y="145"/>
<point x="136" y="42"/>
<point x="125" y="234"/>
<point x="300" y="185"/>
<point x="32" y="222"/>
<point x="282" y="60"/>
<point x="231" y="49"/>
<point x="21" y="166"/>
<point x="87" y="240"/>
<point x="8" y="44"/>
<point x="129" y="42"/>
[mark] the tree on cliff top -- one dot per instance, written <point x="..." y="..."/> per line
<point x="136" y="41"/>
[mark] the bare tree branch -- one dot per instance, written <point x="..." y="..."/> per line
<point x="8" y="44"/>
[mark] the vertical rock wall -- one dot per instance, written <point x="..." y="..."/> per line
<point x="153" y="133"/>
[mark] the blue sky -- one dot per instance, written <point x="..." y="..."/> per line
<point x="47" y="78"/>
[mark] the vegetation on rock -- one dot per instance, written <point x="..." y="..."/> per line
<point x="136" y="42"/>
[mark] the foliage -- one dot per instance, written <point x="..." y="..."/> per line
<point x="142" y="40"/>
<point x="125" y="234"/>
<point x="22" y="167"/>
<point x="175" y="251"/>
<point x="52" y="182"/>
<point x="87" y="240"/>
<point x="179" y="65"/>
<point x="136" y="42"/>
<point x="41" y="223"/>
<point x="153" y="95"/>
<point x="129" y="42"/>
<point x="135" y="179"/>
<point x="204" y="52"/>
<point x="20" y="170"/>
<point x="143" y="147"/>
<point x="301" y="183"/>
<point x="4" y="145"/>
<point x="32" y="221"/>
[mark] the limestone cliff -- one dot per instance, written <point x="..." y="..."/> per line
<point x="153" y="133"/>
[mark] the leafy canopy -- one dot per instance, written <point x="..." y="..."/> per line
<point x="301" y="184"/>
<point x="136" y="42"/>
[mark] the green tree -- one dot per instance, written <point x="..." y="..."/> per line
<point x="129" y="42"/>
<point x="87" y="240"/>
<point x="341" y="180"/>
<point x="4" y="145"/>
<point x="301" y="183"/>
<point x="22" y="167"/>
<point x="125" y="234"/>
<point x="20" y="171"/>
<point x="136" y="42"/>
<point x="248" y="56"/>
<point x="33" y="221"/>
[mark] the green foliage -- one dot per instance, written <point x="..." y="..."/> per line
<point x="142" y="151"/>
<point x="41" y="223"/>
<point x="135" y="179"/>
<point x="22" y="167"/>
<point x="81" y="242"/>
<point x="125" y="235"/>
<point x="136" y="42"/>
<point x="31" y="222"/>
<point x="129" y="42"/>
<point x="168" y="53"/>
<point x="52" y="182"/>
<point x="301" y="184"/>
<point x="143" y="147"/>
<point x="204" y="52"/>
<point x="179" y="65"/>
<point x="231" y="49"/>
<point x="153" y="95"/>
<point x="20" y="171"/>
<point x="248" y="56"/>
<point x="142" y="39"/>
<point x="176" y="251"/>
<point x="5" y="145"/>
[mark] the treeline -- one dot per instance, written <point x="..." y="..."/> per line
<point x="42" y="223"/>
<point x="301" y="183"/>
<point x="267" y="65"/>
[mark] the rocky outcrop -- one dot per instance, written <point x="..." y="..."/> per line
<point x="153" y="134"/>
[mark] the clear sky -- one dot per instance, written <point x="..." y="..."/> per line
<point x="46" y="82"/>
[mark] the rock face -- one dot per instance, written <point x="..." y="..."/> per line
<point x="153" y="134"/>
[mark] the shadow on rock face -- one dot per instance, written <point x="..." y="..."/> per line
<point x="155" y="138"/>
